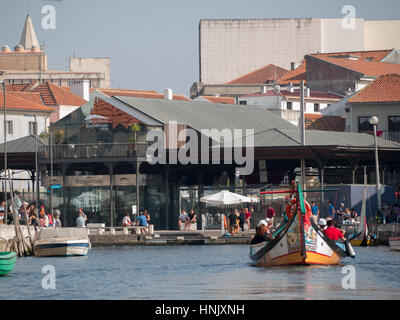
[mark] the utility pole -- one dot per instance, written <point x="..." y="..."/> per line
<point x="302" y="135"/>
<point x="5" y="145"/>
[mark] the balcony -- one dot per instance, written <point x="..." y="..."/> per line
<point x="391" y="135"/>
<point x="94" y="151"/>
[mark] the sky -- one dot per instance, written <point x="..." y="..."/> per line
<point x="153" y="44"/>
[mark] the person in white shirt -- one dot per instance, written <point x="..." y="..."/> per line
<point x="126" y="221"/>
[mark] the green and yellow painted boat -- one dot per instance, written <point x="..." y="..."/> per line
<point x="7" y="262"/>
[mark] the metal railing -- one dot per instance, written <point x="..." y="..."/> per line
<point x="93" y="150"/>
<point x="391" y="135"/>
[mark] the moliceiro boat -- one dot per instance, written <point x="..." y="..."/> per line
<point x="61" y="242"/>
<point x="299" y="241"/>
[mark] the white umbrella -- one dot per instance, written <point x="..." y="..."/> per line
<point x="226" y="198"/>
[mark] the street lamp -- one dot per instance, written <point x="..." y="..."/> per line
<point x="5" y="143"/>
<point x="374" y="120"/>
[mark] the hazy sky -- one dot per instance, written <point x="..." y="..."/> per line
<point x="153" y="44"/>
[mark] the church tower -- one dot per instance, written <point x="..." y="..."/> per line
<point x="28" y="38"/>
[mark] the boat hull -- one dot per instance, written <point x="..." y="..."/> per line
<point x="7" y="262"/>
<point x="362" y="243"/>
<point x="290" y="249"/>
<point x="61" y="248"/>
<point x="394" y="244"/>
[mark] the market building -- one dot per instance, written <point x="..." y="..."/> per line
<point x="102" y="146"/>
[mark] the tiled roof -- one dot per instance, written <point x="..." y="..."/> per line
<point x="270" y="72"/>
<point x="214" y="99"/>
<point x="51" y="94"/>
<point x="328" y="123"/>
<point x="295" y="76"/>
<point x="372" y="56"/>
<point x="366" y="68"/>
<point x="141" y="94"/>
<point x="33" y="96"/>
<point x="296" y="94"/>
<point x="17" y="102"/>
<point x="383" y="90"/>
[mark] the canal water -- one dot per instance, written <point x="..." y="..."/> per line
<point x="221" y="272"/>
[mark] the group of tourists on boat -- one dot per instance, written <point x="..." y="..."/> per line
<point x="328" y="226"/>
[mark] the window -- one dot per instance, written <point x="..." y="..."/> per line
<point x="289" y="105"/>
<point x="394" y="123"/>
<point x="364" y="125"/>
<point x="243" y="102"/>
<point x="316" y="107"/>
<point x="32" y="128"/>
<point x="9" y="127"/>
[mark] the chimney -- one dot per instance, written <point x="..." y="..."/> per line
<point x="264" y="89"/>
<point x="307" y="92"/>
<point x="290" y="88"/>
<point x="19" y="48"/>
<point x="292" y="66"/>
<point x="80" y="88"/>
<point x="168" y="94"/>
<point x="6" y="49"/>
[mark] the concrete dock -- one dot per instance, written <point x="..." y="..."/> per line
<point x="170" y="237"/>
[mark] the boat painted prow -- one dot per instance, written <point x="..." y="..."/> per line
<point x="300" y="242"/>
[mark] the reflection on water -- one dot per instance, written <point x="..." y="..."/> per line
<point x="199" y="272"/>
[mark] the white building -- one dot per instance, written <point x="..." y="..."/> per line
<point x="286" y="103"/>
<point x="230" y="48"/>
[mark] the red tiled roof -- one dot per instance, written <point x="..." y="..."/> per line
<point x="328" y="123"/>
<point x="267" y="73"/>
<point x="295" y="76"/>
<point x="364" y="67"/>
<point x="372" y="56"/>
<point x="385" y="89"/>
<point x="141" y="94"/>
<point x="17" y="102"/>
<point x="228" y="100"/>
<point x="296" y="94"/>
<point x="32" y="96"/>
<point x="51" y="94"/>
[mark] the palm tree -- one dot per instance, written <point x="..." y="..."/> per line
<point x="135" y="128"/>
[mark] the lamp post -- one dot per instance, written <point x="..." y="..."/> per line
<point x="5" y="144"/>
<point x="374" y="120"/>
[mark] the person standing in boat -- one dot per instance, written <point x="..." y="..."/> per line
<point x="332" y="232"/>
<point x="262" y="233"/>
<point x="271" y="213"/>
<point x="315" y="211"/>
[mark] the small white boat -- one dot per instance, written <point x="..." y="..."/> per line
<point x="394" y="244"/>
<point x="61" y="242"/>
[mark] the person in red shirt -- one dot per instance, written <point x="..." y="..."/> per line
<point x="271" y="214"/>
<point x="332" y="232"/>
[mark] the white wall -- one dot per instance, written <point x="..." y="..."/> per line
<point x="335" y="38"/>
<point x="230" y="48"/>
<point x="65" y="110"/>
<point x="382" y="34"/>
<point x="21" y="125"/>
